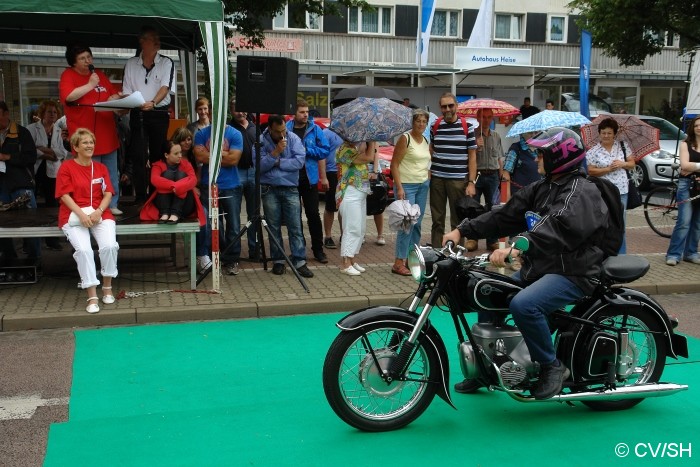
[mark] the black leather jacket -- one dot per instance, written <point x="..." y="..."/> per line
<point x="20" y="167"/>
<point x="574" y="218"/>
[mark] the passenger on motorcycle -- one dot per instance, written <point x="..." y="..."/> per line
<point x="567" y="220"/>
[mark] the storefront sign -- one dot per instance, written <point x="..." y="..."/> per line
<point x="269" y="44"/>
<point x="470" y="58"/>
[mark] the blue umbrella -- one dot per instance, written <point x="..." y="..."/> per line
<point x="547" y="119"/>
<point x="371" y="119"/>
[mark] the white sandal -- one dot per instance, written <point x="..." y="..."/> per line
<point x="108" y="299"/>
<point x="92" y="307"/>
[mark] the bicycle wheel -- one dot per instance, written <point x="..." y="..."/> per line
<point x="660" y="210"/>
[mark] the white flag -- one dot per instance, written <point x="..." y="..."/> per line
<point x="427" y="11"/>
<point x="693" y="105"/>
<point x="481" y="34"/>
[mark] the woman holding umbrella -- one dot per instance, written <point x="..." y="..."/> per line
<point x="609" y="159"/>
<point x="350" y="198"/>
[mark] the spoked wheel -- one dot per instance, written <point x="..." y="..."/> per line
<point x="646" y="356"/>
<point x="353" y="383"/>
<point x="661" y="211"/>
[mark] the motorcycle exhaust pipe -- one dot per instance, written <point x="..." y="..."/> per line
<point x="640" y="391"/>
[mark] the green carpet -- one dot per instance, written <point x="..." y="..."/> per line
<point x="250" y="393"/>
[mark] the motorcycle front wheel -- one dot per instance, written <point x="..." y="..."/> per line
<point x="646" y="356"/>
<point x="353" y="383"/>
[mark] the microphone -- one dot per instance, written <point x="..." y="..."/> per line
<point x="91" y="67"/>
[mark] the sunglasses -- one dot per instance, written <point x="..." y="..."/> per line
<point x="448" y="106"/>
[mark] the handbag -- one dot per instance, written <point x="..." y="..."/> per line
<point x="73" y="219"/>
<point x="634" y="199"/>
<point x="378" y="199"/>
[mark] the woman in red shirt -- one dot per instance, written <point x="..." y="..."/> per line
<point x="85" y="190"/>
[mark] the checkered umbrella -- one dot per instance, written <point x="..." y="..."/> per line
<point x="642" y="138"/>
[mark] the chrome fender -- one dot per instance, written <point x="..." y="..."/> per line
<point x="388" y="314"/>
<point x="677" y="344"/>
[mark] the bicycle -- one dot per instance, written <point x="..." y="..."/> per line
<point x="661" y="210"/>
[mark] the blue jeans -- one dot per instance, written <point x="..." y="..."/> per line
<point x="488" y="185"/>
<point x="247" y="179"/>
<point x="531" y="306"/>
<point x="282" y="204"/>
<point x="110" y="160"/>
<point x="416" y="193"/>
<point x="623" y="247"/>
<point x="203" y="237"/>
<point x="32" y="245"/>
<point x="229" y="205"/>
<point x="686" y="233"/>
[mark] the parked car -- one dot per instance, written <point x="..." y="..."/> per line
<point x="571" y="102"/>
<point x="656" y="167"/>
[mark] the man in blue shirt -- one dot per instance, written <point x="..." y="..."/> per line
<point x="230" y="191"/>
<point x="282" y="156"/>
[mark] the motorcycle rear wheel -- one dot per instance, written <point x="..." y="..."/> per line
<point x="648" y="352"/>
<point x="355" y="389"/>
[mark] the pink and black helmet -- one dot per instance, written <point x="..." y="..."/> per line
<point x="561" y="149"/>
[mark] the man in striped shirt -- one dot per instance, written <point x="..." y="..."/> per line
<point x="453" y="169"/>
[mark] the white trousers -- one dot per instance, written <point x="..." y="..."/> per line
<point x="105" y="234"/>
<point x="353" y="211"/>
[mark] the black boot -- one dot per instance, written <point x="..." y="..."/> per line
<point x="552" y="378"/>
<point x="468" y="386"/>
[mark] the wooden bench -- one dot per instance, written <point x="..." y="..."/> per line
<point x="43" y="222"/>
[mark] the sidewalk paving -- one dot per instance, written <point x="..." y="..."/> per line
<point x="156" y="290"/>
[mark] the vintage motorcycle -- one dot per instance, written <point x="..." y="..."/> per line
<point x="385" y="367"/>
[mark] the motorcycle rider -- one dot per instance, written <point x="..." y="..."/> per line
<point x="559" y="251"/>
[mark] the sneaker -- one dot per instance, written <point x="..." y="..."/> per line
<point x="671" y="262"/>
<point x="358" y="267"/>
<point x="329" y="243"/>
<point x="232" y="269"/>
<point x="689" y="260"/>
<point x="116" y="211"/>
<point x="304" y="271"/>
<point x="278" y="269"/>
<point x="551" y="381"/>
<point x="467" y="386"/>
<point x="321" y="257"/>
<point x="381" y="240"/>
<point x="350" y="271"/>
<point x="203" y="263"/>
<point x="472" y="245"/>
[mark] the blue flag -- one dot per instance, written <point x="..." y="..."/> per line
<point x="427" y="11"/>
<point x="584" y="72"/>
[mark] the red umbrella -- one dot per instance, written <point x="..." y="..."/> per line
<point x="500" y="108"/>
<point x="642" y="138"/>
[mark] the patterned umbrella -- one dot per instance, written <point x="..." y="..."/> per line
<point x="547" y="119"/>
<point x="500" y="108"/>
<point x="641" y="137"/>
<point x="371" y="119"/>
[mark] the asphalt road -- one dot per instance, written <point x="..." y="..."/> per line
<point x="36" y="374"/>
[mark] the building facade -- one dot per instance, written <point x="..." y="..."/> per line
<point x="378" y="48"/>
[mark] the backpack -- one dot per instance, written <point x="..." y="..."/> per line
<point x="611" y="241"/>
<point x="465" y="125"/>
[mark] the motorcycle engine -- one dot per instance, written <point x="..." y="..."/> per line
<point x="505" y="346"/>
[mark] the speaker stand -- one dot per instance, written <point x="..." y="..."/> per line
<point x="258" y="222"/>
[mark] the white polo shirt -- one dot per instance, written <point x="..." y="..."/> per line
<point x="138" y="78"/>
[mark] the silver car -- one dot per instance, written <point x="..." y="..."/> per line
<point x="656" y="167"/>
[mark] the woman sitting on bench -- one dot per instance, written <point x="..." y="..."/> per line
<point x="174" y="198"/>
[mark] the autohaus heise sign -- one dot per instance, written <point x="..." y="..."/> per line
<point x="467" y="58"/>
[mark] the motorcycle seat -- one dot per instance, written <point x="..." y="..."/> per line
<point x="624" y="268"/>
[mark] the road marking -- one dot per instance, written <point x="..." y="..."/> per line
<point x="24" y="407"/>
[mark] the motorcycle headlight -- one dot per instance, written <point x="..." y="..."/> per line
<point x="421" y="262"/>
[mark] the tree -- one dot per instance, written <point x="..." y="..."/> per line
<point x="246" y="15"/>
<point x="631" y="30"/>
